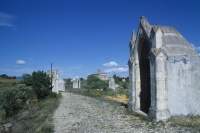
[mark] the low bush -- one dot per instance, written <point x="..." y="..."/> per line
<point x="42" y="92"/>
<point x="53" y="94"/>
<point x="14" y="99"/>
<point x="41" y="84"/>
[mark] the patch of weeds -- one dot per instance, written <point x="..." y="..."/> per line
<point x="37" y="118"/>
<point x="110" y="126"/>
<point x="192" y="121"/>
<point x="134" y="114"/>
<point x="2" y="114"/>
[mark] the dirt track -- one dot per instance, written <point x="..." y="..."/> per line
<point x="78" y="114"/>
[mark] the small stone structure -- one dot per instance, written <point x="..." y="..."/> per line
<point x="76" y="83"/>
<point x="164" y="72"/>
<point x="123" y="80"/>
<point x="101" y="75"/>
<point x="111" y="83"/>
<point x="57" y="82"/>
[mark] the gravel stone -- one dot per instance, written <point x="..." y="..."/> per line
<point x="82" y="114"/>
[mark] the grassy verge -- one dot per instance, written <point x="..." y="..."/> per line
<point x="99" y="93"/>
<point x="186" y="121"/>
<point x="37" y="117"/>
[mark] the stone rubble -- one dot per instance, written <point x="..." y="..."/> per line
<point x="78" y="114"/>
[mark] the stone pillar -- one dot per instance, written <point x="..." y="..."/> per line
<point x="162" y="111"/>
<point x="131" y="64"/>
<point x="131" y="103"/>
<point x="153" y="87"/>
<point x="137" y="87"/>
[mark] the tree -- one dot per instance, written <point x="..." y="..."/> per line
<point x="94" y="82"/>
<point x="27" y="79"/>
<point x="4" y="76"/>
<point x="92" y="79"/>
<point x="117" y="79"/>
<point x="41" y="84"/>
<point x="69" y="83"/>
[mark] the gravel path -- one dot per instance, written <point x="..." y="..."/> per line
<point x="80" y="114"/>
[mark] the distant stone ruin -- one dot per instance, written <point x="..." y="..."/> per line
<point x="76" y="83"/>
<point x="111" y="83"/>
<point x="101" y="75"/>
<point x="57" y="82"/>
<point x="123" y="80"/>
<point x="164" y="72"/>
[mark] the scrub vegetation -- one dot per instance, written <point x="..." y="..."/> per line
<point x="27" y="105"/>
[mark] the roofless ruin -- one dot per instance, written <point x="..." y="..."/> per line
<point x="164" y="72"/>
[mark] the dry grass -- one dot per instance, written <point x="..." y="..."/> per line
<point x="186" y="121"/>
<point x="119" y="98"/>
<point x="8" y="82"/>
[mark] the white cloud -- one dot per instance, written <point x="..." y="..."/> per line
<point x="110" y="64"/>
<point x="20" y="62"/>
<point x="117" y="70"/>
<point x="6" y="20"/>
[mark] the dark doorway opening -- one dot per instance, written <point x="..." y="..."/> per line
<point x="145" y="95"/>
<point x="78" y="84"/>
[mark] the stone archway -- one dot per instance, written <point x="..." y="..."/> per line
<point x="145" y="94"/>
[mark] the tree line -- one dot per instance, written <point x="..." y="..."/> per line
<point x="4" y="76"/>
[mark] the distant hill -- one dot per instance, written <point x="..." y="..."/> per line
<point x="19" y="78"/>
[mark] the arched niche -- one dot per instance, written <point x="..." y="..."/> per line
<point x="144" y="90"/>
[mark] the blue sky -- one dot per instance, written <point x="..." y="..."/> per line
<point x="81" y="36"/>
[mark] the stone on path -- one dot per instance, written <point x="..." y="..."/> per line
<point x="79" y="114"/>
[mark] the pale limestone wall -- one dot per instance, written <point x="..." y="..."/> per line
<point x="184" y="85"/>
<point x="61" y="84"/>
<point x="111" y="83"/>
<point x="57" y="82"/>
<point x="174" y="72"/>
<point x="76" y="83"/>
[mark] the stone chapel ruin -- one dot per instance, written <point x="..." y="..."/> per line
<point x="164" y="72"/>
<point x="57" y="82"/>
<point x="111" y="83"/>
<point x="76" y="83"/>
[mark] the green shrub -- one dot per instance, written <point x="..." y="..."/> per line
<point x="125" y="85"/>
<point x="41" y="84"/>
<point x="27" y="79"/>
<point x="52" y="94"/>
<point x="14" y="99"/>
<point x="42" y="92"/>
<point x="94" y="83"/>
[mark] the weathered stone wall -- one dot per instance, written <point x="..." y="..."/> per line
<point x="183" y="85"/>
<point x="61" y="84"/>
<point x="174" y="74"/>
<point x="76" y="83"/>
<point x="111" y="83"/>
<point x="57" y="83"/>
